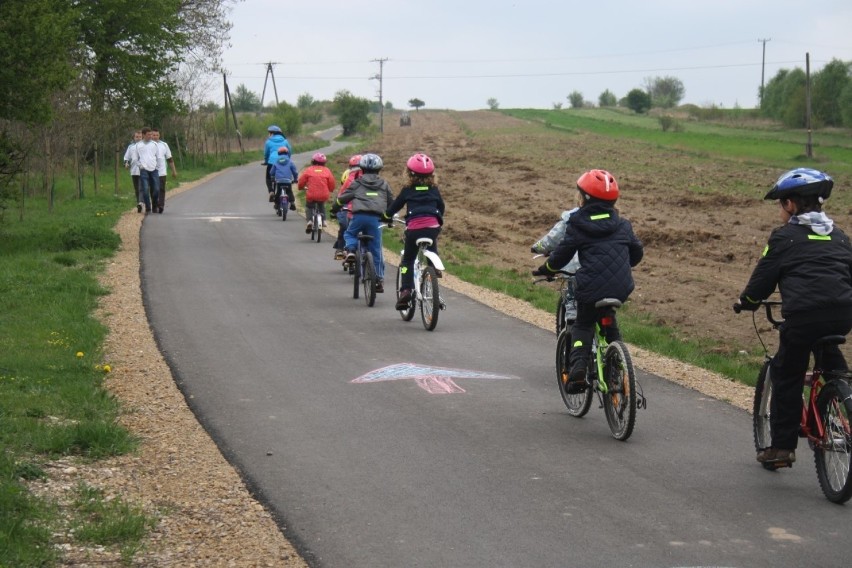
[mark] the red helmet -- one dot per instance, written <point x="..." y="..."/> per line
<point x="599" y="184"/>
<point x="319" y="158"/>
<point x="283" y="150"/>
<point x="421" y="164"/>
<point x="354" y="161"/>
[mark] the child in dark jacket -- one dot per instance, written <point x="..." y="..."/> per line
<point x="423" y="219"/>
<point x="285" y="174"/>
<point x="608" y="249"/>
<point x="809" y="260"/>
<point x="370" y="196"/>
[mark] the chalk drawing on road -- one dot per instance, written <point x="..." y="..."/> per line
<point x="434" y="380"/>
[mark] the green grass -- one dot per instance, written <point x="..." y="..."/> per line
<point x="52" y="401"/>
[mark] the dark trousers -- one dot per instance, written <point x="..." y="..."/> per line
<point x="409" y="253"/>
<point x="161" y="201"/>
<point x="136" y="187"/>
<point x="583" y="331"/>
<point x="788" y="374"/>
<point x="285" y="188"/>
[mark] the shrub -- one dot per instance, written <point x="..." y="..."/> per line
<point x="88" y="237"/>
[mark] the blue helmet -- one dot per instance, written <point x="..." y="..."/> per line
<point x="801" y="182"/>
<point x="371" y="162"/>
<point x="274" y="129"/>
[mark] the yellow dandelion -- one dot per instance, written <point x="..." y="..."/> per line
<point x="80" y="354"/>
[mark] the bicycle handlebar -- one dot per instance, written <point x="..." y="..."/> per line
<point x="768" y="305"/>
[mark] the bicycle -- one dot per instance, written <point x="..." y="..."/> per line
<point x="283" y="203"/>
<point x="826" y="412"/>
<point x="427" y="269"/>
<point x="610" y="374"/>
<point x="317" y="220"/>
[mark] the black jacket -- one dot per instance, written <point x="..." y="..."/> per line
<point x="420" y="201"/>
<point x="813" y="273"/>
<point x="608" y="249"/>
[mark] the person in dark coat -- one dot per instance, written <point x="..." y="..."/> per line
<point x="608" y="249"/>
<point x="809" y="260"/>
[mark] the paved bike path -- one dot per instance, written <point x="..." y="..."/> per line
<point x="260" y="329"/>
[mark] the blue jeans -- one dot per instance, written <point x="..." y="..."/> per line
<point x="149" y="181"/>
<point x="369" y="225"/>
<point x="343" y="223"/>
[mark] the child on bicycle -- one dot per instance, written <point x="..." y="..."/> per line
<point x="352" y="173"/>
<point x="809" y="260"/>
<point x="547" y="244"/>
<point x="318" y="183"/>
<point x="284" y="173"/>
<point x="423" y="218"/>
<point x="370" y="196"/>
<point x="608" y="249"/>
<point x="275" y="140"/>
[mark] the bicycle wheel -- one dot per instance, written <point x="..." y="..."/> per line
<point x="760" y="409"/>
<point x="578" y="404"/>
<point x="356" y="274"/>
<point x="369" y="279"/>
<point x="314" y="228"/>
<point x="318" y="226"/>
<point x="833" y="454"/>
<point x="430" y="303"/>
<point x="620" y="398"/>
<point x="560" y="315"/>
<point x="408" y="313"/>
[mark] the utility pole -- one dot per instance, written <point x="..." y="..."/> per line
<point x="269" y="73"/>
<point x="809" y="149"/>
<point x="381" y="63"/>
<point x="763" y="68"/>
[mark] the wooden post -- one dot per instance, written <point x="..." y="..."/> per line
<point x="115" y="169"/>
<point x="809" y="150"/>
<point x="95" y="169"/>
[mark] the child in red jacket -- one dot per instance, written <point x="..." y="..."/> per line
<point x="318" y="183"/>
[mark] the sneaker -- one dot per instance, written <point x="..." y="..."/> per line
<point x="380" y="286"/>
<point x="350" y="256"/>
<point x="776" y="456"/>
<point x="308" y="228"/>
<point x="160" y="209"/>
<point x="271" y="197"/>
<point x="339" y="255"/>
<point x="139" y="207"/>
<point x="292" y="206"/>
<point x="576" y="378"/>
<point x="404" y="300"/>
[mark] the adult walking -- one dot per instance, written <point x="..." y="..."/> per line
<point x="149" y="178"/>
<point x="131" y="162"/>
<point x="164" y="157"/>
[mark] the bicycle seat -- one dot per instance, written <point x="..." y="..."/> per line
<point x="424" y="240"/>
<point x="608" y="303"/>
<point x="830" y="340"/>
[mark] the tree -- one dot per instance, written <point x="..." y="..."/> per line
<point x="638" y="101"/>
<point x="287" y="117"/>
<point x="32" y="34"/>
<point x="352" y="111"/>
<point x="576" y="99"/>
<point x="309" y="108"/>
<point x="846" y="105"/>
<point x="492" y="103"/>
<point x="416" y="103"/>
<point x="244" y="100"/>
<point x="828" y="85"/>
<point x="666" y="92"/>
<point x="784" y="97"/>
<point x="607" y="99"/>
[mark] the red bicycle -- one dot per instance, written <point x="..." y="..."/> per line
<point x="826" y="412"/>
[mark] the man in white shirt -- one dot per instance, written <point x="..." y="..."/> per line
<point x="132" y="164"/>
<point x="149" y="178"/>
<point x="164" y="156"/>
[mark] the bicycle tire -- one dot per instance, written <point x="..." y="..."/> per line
<point x="408" y="313"/>
<point x="318" y="226"/>
<point x="356" y="274"/>
<point x="560" y="315"/>
<point x="430" y="302"/>
<point x="620" y="399"/>
<point x="369" y="280"/>
<point x="833" y="454"/>
<point x="760" y="409"/>
<point x="578" y="404"/>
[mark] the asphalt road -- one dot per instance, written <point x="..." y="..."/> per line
<point x="260" y="328"/>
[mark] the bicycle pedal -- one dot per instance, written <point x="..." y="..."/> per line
<point x="777" y="464"/>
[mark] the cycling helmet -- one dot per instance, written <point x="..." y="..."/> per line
<point x="274" y="129"/>
<point x="420" y="164"/>
<point x="599" y="184"/>
<point x="354" y="161"/>
<point x="801" y="182"/>
<point x="319" y="158"/>
<point x="371" y="162"/>
<point x="283" y="150"/>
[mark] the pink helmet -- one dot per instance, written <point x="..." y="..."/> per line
<point x="354" y="161"/>
<point x="421" y="164"/>
<point x="319" y="158"/>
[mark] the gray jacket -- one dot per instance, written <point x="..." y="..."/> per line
<point x="369" y="194"/>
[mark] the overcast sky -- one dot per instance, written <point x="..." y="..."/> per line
<point x="526" y="53"/>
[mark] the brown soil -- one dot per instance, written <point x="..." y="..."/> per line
<point x="505" y="184"/>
